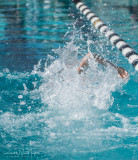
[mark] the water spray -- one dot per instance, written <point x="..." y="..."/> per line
<point x="114" y="38"/>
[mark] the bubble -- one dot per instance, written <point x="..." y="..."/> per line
<point x="22" y="103"/>
<point x="20" y="96"/>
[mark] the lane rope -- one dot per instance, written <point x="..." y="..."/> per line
<point x="114" y="38"/>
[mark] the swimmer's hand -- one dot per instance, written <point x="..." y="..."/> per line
<point x="79" y="70"/>
<point x="122" y="72"/>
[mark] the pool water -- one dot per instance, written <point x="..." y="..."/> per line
<point x="47" y="110"/>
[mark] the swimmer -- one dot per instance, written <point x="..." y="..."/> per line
<point x="121" y="71"/>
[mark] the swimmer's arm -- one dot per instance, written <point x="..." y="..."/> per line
<point x="99" y="59"/>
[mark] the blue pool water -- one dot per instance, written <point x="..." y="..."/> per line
<point x="47" y="110"/>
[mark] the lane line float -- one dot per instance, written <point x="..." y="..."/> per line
<point x="114" y="38"/>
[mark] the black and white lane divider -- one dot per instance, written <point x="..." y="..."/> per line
<point x="114" y="38"/>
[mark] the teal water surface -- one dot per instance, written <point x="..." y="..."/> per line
<point x="47" y="110"/>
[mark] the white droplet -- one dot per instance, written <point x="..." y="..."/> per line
<point x="22" y="103"/>
<point x="20" y="96"/>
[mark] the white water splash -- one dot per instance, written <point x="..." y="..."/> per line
<point x="76" y="108"/>
<point x="63" y="86"/>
